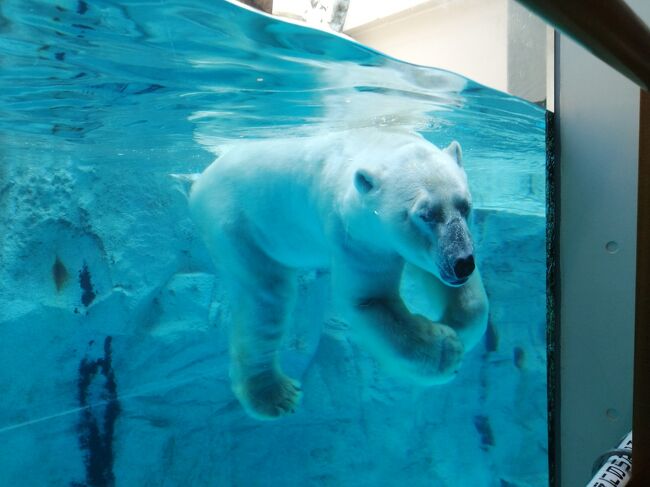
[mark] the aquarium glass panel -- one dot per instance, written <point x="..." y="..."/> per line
<point x="353" y="294"/>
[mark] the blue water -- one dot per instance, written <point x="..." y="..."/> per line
<point x="113" y="332"/>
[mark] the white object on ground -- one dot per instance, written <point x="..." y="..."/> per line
<point x="616" y="471"/>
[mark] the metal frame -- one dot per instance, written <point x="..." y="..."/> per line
<point x="617" y="35"/>
<point x="641" y="439"/>
<point x="610" y="29"/>
<point x="597" y="141"/>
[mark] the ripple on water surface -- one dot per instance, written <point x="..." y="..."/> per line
<point x="113" y="78"/>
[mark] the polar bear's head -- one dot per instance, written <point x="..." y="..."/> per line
<point x="421" y="201"/>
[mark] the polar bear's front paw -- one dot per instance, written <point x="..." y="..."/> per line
<point x="268" y="394"/>
<point x="434" y="351"/>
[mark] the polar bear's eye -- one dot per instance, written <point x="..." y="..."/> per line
<point x="464" y="208"/>
<point x="432" y="214"/>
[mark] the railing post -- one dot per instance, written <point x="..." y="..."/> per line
<point x="641" y="420"/>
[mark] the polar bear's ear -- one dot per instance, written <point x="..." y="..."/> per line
<point x="455" y="152"/>
<point x="365" y="181"/>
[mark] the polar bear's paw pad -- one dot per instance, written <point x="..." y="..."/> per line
<point x="268" y="395"/>
<point x="435" y="351"/>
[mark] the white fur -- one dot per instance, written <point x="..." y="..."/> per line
<point x="352" y="202"/>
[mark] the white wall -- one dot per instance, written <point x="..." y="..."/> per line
<point x="497" y="43"/>
<point x="465" y="36"/>
<point x="361" y="12"/>
<point x="527" y="54"/>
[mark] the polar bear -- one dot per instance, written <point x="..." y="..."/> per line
<point x="362" y="203"/>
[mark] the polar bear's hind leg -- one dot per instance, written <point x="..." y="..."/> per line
<point x="262" y="294"/>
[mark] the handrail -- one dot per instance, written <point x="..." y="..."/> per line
<point x="609" y="29"/>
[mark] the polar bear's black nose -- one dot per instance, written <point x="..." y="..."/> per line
<point x="464" y="266"/>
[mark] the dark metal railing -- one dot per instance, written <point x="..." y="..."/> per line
<point x="607" y="28"/>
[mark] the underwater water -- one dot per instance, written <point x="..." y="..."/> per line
<point x="113" y="329"/>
